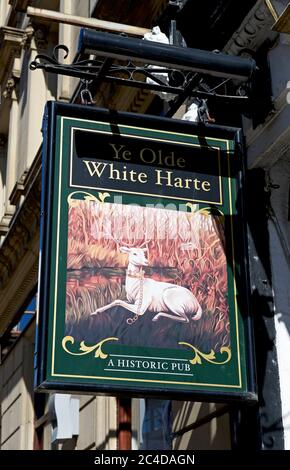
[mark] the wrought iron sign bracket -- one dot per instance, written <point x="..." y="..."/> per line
<point x="162" y="68"/>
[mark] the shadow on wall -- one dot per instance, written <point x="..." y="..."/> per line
<point x="260" y="427"/>
<point x="214" y="435"/>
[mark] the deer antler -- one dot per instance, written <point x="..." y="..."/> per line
<point x="121" y="243"/>
<point x="110" y="237"/>
<point x="144" y="243"/>
<point x="118" y="241"/>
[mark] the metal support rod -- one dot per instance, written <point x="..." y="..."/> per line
<point x="180" y="58"/>
<point x="93" y="23"/>
<point x="175" y="105"/>
<point x="102" y="72"/>
<point x="124" y="419"/>
<point x="90" y="75"/>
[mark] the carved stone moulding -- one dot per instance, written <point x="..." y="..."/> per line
<point x="9" y="87"/>
<point x="253" y="31"/>
<point x="23" y="227"/>
<point x="9" y="306"/>
<point x="19" y="189"/>
<point x="11" y="43"/>
<point x="4" y="224"/>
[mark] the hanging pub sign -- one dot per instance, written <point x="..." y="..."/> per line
<point x="143" y="269"/>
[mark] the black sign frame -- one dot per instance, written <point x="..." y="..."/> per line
<point x="203" y="132"/>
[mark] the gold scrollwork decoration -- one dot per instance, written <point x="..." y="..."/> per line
<point x="210" y="357"/>
<point x="193" y="207"/>
<point x="87" y="197"/>
<point x="206" y="211"/>
<point x="87" y="349"/>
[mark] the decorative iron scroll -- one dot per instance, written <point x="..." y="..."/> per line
<point x="183" y="84"/>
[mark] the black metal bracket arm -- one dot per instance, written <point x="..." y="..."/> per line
<point x="164" y="55"/>
<point x="144" y="64"/>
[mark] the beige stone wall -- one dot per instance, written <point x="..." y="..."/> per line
<point x="5" y="9"/>
<point x="3" y="157"/>
<point x="98" y="415"/>
<point x="33" y="95"/>
<point x="97" y="421"/>
<point x="214" y="435"/>
<point x="68" y="35"/>
<point x="16" y="383"/>
<point x="23" y="97"/>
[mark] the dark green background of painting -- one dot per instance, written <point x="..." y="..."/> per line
<point x="68" y="367"/>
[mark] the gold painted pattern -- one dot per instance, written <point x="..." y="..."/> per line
<point x="210" y="357"/>
<point x="87" y="349"/>
<point x="88" y="197"/>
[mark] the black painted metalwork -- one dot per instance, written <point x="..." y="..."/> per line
<point x="131" y="62"/>
<point x="173" y="57"/>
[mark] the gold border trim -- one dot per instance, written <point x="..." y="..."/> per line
<point x="53" y="374"/>
<point x="234" y="271"/>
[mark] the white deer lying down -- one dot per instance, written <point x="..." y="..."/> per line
<point x="166" y="299"/>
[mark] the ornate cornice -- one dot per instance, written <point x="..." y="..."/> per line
<point x="20" y="248"/>
<point x="253" y="31"/>
<point x="18" y="190"/>
<point x="26" y="181"/>
<point x="4" y="226"/>
<point x="11" y="43"/>
<point x="23" y="228"/>
<point x="265" y="144"/>
<point x="14" y="300"/>
<point x="28" y="35"/>
<point x="9" y="87"/>
<point x="40" y="37"/>
<point x="10" y="35"/>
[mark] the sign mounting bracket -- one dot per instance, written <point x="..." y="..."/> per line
<point x="143" y="64"/>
